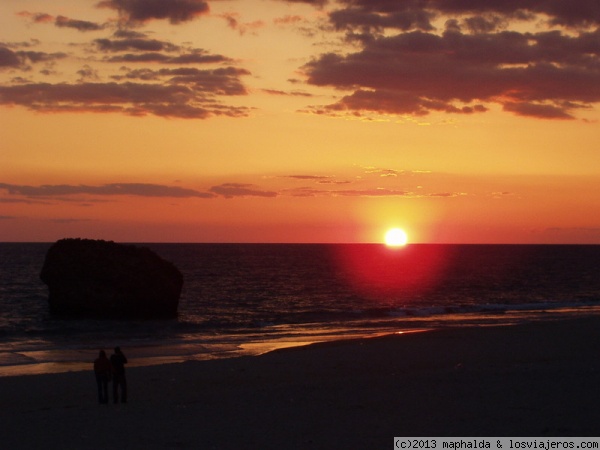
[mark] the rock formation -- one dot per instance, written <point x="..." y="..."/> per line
<point x="99" y="278"/>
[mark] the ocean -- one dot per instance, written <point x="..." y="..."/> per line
<point x="246" y="299"/>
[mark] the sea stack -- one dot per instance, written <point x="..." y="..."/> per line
<point x="104" y="279"/>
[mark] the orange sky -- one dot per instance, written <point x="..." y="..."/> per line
<point x="300" y="120"/>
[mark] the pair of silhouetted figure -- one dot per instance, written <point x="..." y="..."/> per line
<point x="111" y="369"/>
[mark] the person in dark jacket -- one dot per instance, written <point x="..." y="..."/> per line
<point x="103" y="372"/>
<point x="118" y="361"/>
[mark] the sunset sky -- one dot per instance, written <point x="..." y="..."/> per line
<point x="459" y="121"/>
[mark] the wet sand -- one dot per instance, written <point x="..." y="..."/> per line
<point x="539" y="379"/>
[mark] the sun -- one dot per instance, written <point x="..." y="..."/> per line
<point x="396" y="237"/>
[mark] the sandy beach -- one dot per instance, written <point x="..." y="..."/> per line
<point x="538" y="379"/>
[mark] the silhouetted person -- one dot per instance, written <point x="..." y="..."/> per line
<point x="118" y="362"/>
<point x="103" y="371"/>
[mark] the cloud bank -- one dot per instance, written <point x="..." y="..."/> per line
<point x="121" y="73"/>
<point x="140" y="11"/>
<point x="374" y="182"/>
<point x="61" y="191"/>
<point x="135" y="189"/>
<point x="532" y="58"/>
<point x="416" y="57"/>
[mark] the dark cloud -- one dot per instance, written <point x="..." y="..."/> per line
<point x="184" y="93"/>
<point x="80" y="25"/>
<point x="537" y="110"/>
<point x="194" y="57"/>
<point x="139" y="11"/>
<point x="318" y="3"/>
<point x="233" y="22"/>
<point x="221" y="81"/>
<point x="481" y="24"/>
<point x="21" y="59"/>
<point x="63" y="191"/>
<point x="134" y="43"/>
<point x="37" y="57"/>
<point x="550" y="73"/>
<point x="126" y="33"/>
<point x="87" y="73"/>
<point x="406" y="17"/>
<point x="231" y="190"/>
<point x="36" y="17"/>
<point x="420" y="14"/>
<point x="72" y="193"/>
<point x="62" y="21"/>
<point x="153" y="50"/>
<point x="286" y="94"/>
<point x="8" y="58"/>
<point x="135" y="189"/>
<point x="92" y="93"/>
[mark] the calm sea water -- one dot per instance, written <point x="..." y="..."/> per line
<point x="249" y="298"/>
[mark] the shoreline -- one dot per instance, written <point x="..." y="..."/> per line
<point x="142" y="356"/>
<point x="62" y="360"/>
<point x="535" y="379"/>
